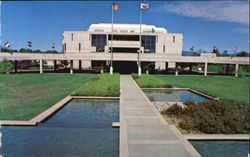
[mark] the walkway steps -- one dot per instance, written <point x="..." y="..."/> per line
<point x="143" y="132"/>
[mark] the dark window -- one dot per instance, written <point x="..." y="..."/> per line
<point x="125" y="37"/>
<point x="79" y="46"/>
<point x="126" y="50"/>
<point x="99" y="41"/>
<point x="72" y="37"/>
<point x="164" y="48"/>
<point x="148" y="42"/>
<point x="173" y="39"/>
<point x="64" y="47"/>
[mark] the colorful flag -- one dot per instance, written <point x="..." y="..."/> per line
<point x="192" y="48"/>
<point x="235" y="49"/>
<point x="115" y="7"/>
<point x="215" y="49"/>
<point x="53" y="45"/>
<point x="7" y="44"/>
<point x="29" y="43"/>
<point x="144" y="6"/>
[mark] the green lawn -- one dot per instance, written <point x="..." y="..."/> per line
<point x="150" y="81"/>
<point x="24" y="96"/>
<point x="101" y="85"/>
<point x="224" y="87"/>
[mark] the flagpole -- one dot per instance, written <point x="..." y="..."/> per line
<point x="111" y="64"/>
<point x="139" y="62"/>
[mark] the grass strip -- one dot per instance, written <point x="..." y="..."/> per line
<point x="150" y="81"/>
<point x="224" y="87"/>
<point x="101" y="85"/>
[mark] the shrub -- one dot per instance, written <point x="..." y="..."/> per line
<point x="189" y="103"/>
<point x="214" y="117"/>
<point x="5" y="66"/>
<point x="242" y="72"/>
<point x="149" y="81"/>
<point x="174" y="110"/>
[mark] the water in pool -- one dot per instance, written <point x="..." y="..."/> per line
<point x="173" y="96"/>
<point x="81" y="128"/>
<point x="221" y="148"/>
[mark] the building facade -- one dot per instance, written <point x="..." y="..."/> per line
<point x="125" y="40"/>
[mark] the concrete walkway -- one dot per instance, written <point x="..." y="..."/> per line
<point x="143" y="132"/>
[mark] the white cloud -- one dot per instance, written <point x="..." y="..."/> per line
<point x="241" y="30"/>
<point x="228" y="11"/>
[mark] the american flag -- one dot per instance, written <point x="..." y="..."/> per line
<point x="144" y="6"/>
<point x="29" y="43"/>
<point x="235" y="49"/>
<point x="192" y="48"/>
<point x="115" y="6"/>
<point x="215" y="49"/>
<point x="7" y="44"/>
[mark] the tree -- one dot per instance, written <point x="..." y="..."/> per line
<point x="37" y="51"/>
<point x="8" y="50"/>
<point x="6" y="66"/>
<point x="224" y="53"/>
<point x="51" y="51"/>
<point x="25" y="50"/>
<point x="243" y="54"/>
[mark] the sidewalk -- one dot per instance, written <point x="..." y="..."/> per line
<point x="143" y="132"/>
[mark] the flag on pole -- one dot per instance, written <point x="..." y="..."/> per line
<point x="235" y="49"/>
<point x="144" y="6"/>
<point x="53" y="45"/>
<point x="115" y="7"/>
<point x="29" y="43"/>
<point x="215" y="49"/>
<point x="7" y="44"/>
<point x="192" y="48"/>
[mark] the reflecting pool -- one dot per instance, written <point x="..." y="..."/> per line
<point x="173" y="96"/>
<point x="81" y="128"/>
<point x="222" y="148"/>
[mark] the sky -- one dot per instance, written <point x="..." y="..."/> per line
<point x="204" y="24"/>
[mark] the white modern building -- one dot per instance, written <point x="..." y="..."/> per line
<point x="126" y="41"/>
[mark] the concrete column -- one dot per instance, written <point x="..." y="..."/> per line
<point x="190" y="67"/>
<point x="80" y="65"/>
<point x="71" y="66"/>
<point x="55" y="62"/>
<point x="236" y="70"/>
<point x="176" y="69"/>
<point x="111" y="70"/>
<point x="15" y="66"/>
<point x="139" y="70"/>
<point x="205" y="69"/>
<point x="41" y="66"/>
